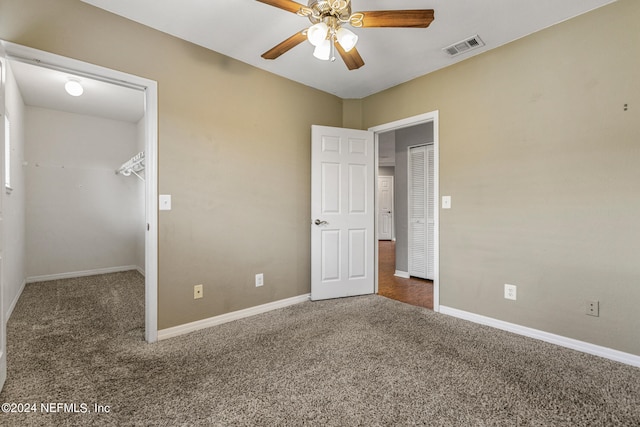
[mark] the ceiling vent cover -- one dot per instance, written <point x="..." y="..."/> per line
<point x="464" y="46"/>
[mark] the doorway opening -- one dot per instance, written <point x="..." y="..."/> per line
<point x="401" y="274"/>
<point x="98" y="78"/>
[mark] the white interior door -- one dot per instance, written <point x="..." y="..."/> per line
<point x="342" y="212"/>
<point x="3" y="324"/>
<point x="421" y="212"/>
<point x="385" y="207"/>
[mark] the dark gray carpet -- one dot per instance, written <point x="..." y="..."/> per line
<point x="365" y="361"/>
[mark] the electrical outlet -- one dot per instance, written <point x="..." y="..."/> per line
<point x="259" y="279"/>
<point x="197" y="292"/>
<point x="593" y="308"/>
<point x="510" y="292"/>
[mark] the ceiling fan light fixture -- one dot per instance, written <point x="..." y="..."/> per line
<point x="346" y="38"/>
<point x="323" y="50"/>
<point x="74" y="88"/>
<point x="317" y="33"/>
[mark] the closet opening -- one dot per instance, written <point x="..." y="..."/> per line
<point x="90" y="176"/>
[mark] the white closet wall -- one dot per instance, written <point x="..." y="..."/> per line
<point x="13" y="204"/>
<point x="81" y="216"/>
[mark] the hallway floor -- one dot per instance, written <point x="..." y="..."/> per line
<point x="412" y="291"/>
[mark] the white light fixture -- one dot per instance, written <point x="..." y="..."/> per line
<point x="317" y="33"/>
<point x="323" y="50"/>
<point x="74" y="88"/>
<point x="346" y="38"/>
<point x="323" y="35"/>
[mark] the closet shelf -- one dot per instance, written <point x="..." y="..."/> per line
<point x="132" y="166"/>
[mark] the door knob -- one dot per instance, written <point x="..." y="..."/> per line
<point x="318" y="222"/>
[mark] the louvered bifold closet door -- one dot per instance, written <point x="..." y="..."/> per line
<point x="421" y="211"/>
<point x="431" y="207"/>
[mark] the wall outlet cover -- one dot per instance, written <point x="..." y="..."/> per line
<point x="593" y="308"/>
<point x="197" y="291"/>
<point x="510" y="292"/>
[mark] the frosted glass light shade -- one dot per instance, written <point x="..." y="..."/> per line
<point x="73" y="88"/>
<point x="317" y="33"/>
<point x="323" y="50"/>
<point x="346" y="38"/>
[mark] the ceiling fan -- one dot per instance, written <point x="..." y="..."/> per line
<point x="328" y="34"/>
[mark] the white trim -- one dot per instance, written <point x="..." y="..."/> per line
<point x="150" y="87"/>
<point x="83" y="273"/>
<point x="151" y="213"/>
<point x="14" y="302"/>
<point x="403" y="274"/>
<point x="582" y="346"/>
<point x="376" y="221"/>
<point x="403" y="123"/>
<point x="229" y="317"/>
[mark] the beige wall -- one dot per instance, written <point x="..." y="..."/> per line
<point x="543" y="166"/>
<point x="352" y="113"/>
<point x="234" y="152"/>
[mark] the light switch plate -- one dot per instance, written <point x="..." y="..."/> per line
<point x="446" y="202"/>
<point x="165" y="202"/>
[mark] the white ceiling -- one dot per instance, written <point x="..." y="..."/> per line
<point x="44" y="87"/>
<point x="244" y="29"/>
<point x="392" y="55"/>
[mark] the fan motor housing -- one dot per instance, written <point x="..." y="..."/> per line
<point x="340" y="9"/>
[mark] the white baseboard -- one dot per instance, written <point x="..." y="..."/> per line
<point x="585" y="347"/>
<point x="15" y="301"/>
<point x="403" y="274"/>
<point x="72" y="274"/>
<point x="228" y="317"/>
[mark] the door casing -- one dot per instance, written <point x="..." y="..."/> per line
<point x="3" y="324"/>
<point x="400" y="124"/>
<point x="150" y="88"/>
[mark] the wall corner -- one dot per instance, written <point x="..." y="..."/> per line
<point x="352" y="113"/>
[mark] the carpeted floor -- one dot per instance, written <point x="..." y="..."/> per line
<point x="364" y="361"/>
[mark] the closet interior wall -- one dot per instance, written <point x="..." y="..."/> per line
<point x="81" y="216"/>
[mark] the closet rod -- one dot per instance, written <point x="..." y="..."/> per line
<point x="132" y="166"/>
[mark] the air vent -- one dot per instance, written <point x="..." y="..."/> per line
<point x="464" y="46"/>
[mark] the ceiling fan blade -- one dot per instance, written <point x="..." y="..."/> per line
<point x="285" y="46"/>
<point x="352" y="59"/>
<point x="288" y="5"/>
<point x="397" y="18"/>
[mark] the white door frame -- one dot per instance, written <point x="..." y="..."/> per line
<point x="3" y="324"/>
<point x="150" y="88"/>
<point x="400" y="124"/>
